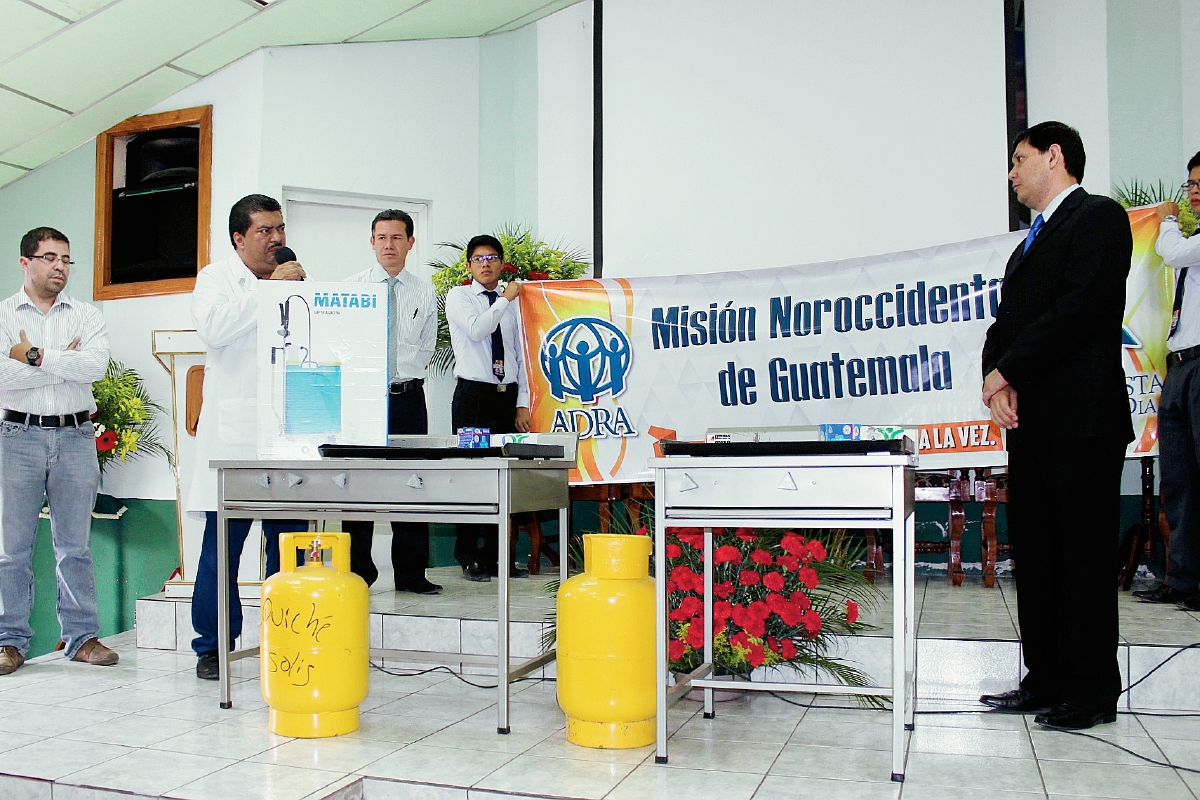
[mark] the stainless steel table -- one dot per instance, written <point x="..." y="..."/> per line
<point x="867" y="490"/>
<point x="455" y="490"/>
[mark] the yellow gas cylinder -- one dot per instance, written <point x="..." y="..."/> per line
<point x="606" y="645"/>
<point x="315" y="646"/>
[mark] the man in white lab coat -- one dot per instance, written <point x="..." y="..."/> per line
<point x="225" y="310"/>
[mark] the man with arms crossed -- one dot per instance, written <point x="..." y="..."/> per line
<point x="1053" y="378"/>
<point x="57" y="347"/>
<point x="491" y="390"/>
<point x="412" y="337"/>
<point x="225" y="310"/>
<point x="1179" y="410"/>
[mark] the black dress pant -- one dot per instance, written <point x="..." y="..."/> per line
<point x="410" y="540"/>
<point x="1062" y="547"/>
<point x="1179" y="463"/>
<point x="480" y="405"/>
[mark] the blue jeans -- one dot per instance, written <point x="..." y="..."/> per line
<point x="204" y="595"/>
<point x="58" y="465"/>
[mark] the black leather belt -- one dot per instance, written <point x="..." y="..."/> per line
<point x="403" y="387"/>
<point x="489" y="387"/>
<point x="1181" y="356"/>
<point x="46" y="420"/>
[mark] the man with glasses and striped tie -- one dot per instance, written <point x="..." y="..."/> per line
<point x="1179" y="409"/>
<point x="412" y="337"/>
<point x="57" y="347"/>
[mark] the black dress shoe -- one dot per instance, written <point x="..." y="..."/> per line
<point x="476" y="573"/>
<point x="1163" y="594"/>
<point x="513" y="572"/>
<point x="1191" y="602"/>
<point x="1069" y="716"/>
<point x="1018" y="701"/>
<point x="207" y="666"/>
<point x="419" y="586"/>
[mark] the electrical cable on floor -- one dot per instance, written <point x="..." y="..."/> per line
<point x="448" y="671"/>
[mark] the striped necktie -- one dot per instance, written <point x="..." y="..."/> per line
<point x="497" y="344"/>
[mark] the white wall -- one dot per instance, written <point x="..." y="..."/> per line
<point x="1066" y="67"/>
<point x="564" y="121"/>
<point x="768" y="133"/>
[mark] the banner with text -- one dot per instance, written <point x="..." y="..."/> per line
<point x="884" y="340"/>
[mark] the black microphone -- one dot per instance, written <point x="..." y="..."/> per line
<point x="284" y="255"/>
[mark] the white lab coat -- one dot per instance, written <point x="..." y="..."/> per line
<point x="225" y="312"/>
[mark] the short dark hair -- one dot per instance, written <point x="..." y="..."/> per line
<point x="396" y="215"/>
<point x="1195" y="162"/>
<point x="239" y="215"/>
<point x="1044" y="134"/>
<point x="31" y="240"/>
<point x="484" y="239"/>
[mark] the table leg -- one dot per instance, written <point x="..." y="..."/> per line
<point x="958" y="519"/>
<point x="223" y="594"/>
<point x="900" y="604"/>
<point x="564" y="542"/>
<point x="660" y="619"/>
<point x="709" y="656"/>
<point x="503" y="564"/>
<point x="910" y="622"/>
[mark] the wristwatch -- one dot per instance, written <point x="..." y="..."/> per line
<point x="1170" y="218"/>
<point x="32" y="355"/>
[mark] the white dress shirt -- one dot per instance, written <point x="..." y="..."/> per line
<point x="225" y="312"/>
<point x="1053" y="205"/>
<point x="416" y="329"/>
<point x="471" y="322"/>
<point x="1179" y="252"/>
<point x="63" y="383"/>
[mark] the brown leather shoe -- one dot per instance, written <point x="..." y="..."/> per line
<point x="92" y="652"/>
<point x="10" y="659"/>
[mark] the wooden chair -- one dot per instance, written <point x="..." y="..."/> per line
<point x="1139" y="541"/>
<point x="991" y="488"/>
<point x="953" y="488"/>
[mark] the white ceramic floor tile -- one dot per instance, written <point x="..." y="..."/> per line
<point x="973" y="772"/>
<point x="133" y="730"/>
<point x="55" y="720"/>
<point x="1062" y="746"/>
<point x="470" y="735"/>
<point x="439" y="765"/>
<point x="556" y="777"/>
<point x="234" y="742"/>
<point x="1113" y="780"/>
<point x="12" y="788"/>
<point x="740" y="729"/>
<point x="557" y="746"/>
<point x="262" y="781"/>
<point x="401" y="729"/>
<point x="776" y="787"/>
<point x="50" y="759"/>
<point x="663" y="782"/>
<point x="146" y="772"/>
<point x="374" y="789"/>
<point x="971" y="742"/>
<point x="873" y="766"/>
<point x="123" y="700"/>
<point x="336" y="754"/>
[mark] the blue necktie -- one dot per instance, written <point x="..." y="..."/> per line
<point x="1033" y="232"/>
<point x="1177" y="306"/>
<point x="497" y="344"/>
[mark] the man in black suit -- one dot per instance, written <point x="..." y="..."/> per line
<point x="1055" y="351"/>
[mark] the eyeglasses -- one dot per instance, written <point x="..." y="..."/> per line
<point x="1187" y="186"/>
<point x="484" y="259"/>
<point x="52" y="258"/>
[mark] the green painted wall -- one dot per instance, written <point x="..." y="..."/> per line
<point x="134" y="556"/>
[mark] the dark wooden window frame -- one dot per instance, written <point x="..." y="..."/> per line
<point x="103" y="288"/>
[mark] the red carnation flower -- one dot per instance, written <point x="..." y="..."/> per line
<point x="723" y="589"/>
<point x="687" y="580"/>
<point x="694" y="540"/>
<point x="508" y="269"/>
<point x="808" y="576"/>
<point x="695" y="635"/>
<point x="727" y="553"/>
<point x="801" y="601"/>
<point x="689" y="607"/>
<point x="106" y="441"/>
<point x="756" y="656"/>
<point x="761" y="556"/>
<point x="467" y="281"/>
<point x="851" y="611"/>
<point x="787" y="649"/>
<point x="746" y="534"/>
<point x="773" y="644"/>
<point x="748" y="577"/>
<point x="759" y="609"/>
<point x="792" y="543"/>
<point x="722" y="610"/>
<point x="676" y="649"/>
<point x="674" y="551"/>
<point x="538" y="275"/>
<point x="817" y="550"/>
<point x="641" y="531"/>
<point x="776" y="602"/>
<point x="773" y="581"/>
<point x="740" y="640"/>
<point x="812" y="622"/>
<point x="790" y="563"/>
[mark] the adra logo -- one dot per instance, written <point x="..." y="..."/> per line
<point x="586" y="358"/>
<point x="343" y="300"/>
